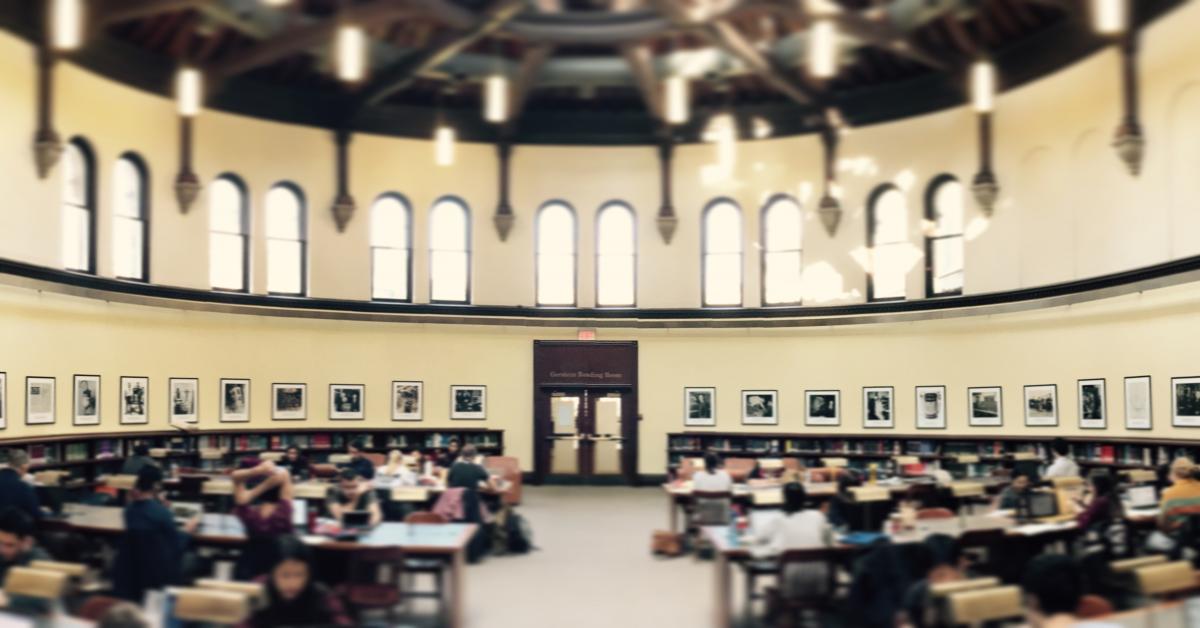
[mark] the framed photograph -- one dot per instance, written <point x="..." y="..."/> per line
<point x="3" y="400"/>
<point x="289" y="402"/>
<point x="39" y="400"/>
<point x="1041" y="405"/>
<point x="347" y="402"/>
<point x="1185" y="401"/>
<point x="408" y="401"/>
<point x="1093" y="404"/>
<point x="931" y="407"/>
<point x="699" y="407"/>
<point x="822" y="407"/>
<point x="468" y="402"/>
<point x="760" y="407"/>
<point x="1139" y="410"/>
<point x="135" y="393"/>
<point x="985" y="405"/>
<point x="878" y="409"/>
<point x="86" y="400"/>
<point x="183" y="400"/>
<point x="235" y="401"/>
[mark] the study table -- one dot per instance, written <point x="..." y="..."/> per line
<point x="447" y="541"/>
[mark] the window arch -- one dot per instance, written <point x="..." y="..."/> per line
<point x="450" y="251"/>
<point x="228" y="234"/>
<point x="391" y="248"/>
<point x="556" y="245"/>
<point x="782" y="238"/>
<point x="616" y="255"/>
<point x="887" y="244"/>
<point x="944" y="214"/>
<point x="286" y="241"/>
<point x="722" y="250"/>
<point x="131" y="218"/>
<point x="79" y="207"/>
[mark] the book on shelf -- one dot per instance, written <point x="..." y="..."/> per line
<point x="76" y="452"/>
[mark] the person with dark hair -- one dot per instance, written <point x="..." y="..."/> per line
<point x="1064" y="466"/>
<point x="713" y="478"/>
<point x="152" y="550"/>
<point x="1101" y="504"/>
<point x="262" y="495"/>
<point x="799" y="527"/>
<point x="352" y="494"/>
<point x="296" y="463"/>
<point x="1053" y="586"/>
<point x="1017" y="491"/>
<point x="839" y="505"/>
<point x="18" y="547"/>
<point x="14" y="490"/>
<point x="362" y="467"/>
<point x="123" y="615"/>
<point x="946" y="564"/>
<point x="293" y="597"/>
<point x="140" y="458"/>
<point x="447" y="459"/>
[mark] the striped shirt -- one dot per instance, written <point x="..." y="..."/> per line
<point x="1180" y="501"/>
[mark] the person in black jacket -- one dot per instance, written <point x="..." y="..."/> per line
<point x="358" y="461"/>
<point x="140" y="458"/>
<point x="14" y="490"/>
<point x="152" y="551"/>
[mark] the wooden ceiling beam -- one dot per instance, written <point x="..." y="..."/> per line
<point x="887" y="36"/>
<point x="527" y="74"/>
<point x="641" y="65"/>
<point x="779" y="77"/>
<point x="1066" y="6"/>
<point x="401" y="74"/>
<point x="116" y="11"/>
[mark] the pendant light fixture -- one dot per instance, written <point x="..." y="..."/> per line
<point x="1110" y="17"/>
<point x="504" y="218"/>
<point x="188" y="101"/>
<point x="1128" y="141"/>
<point x="47" y="146"/>
<point x="830" y="209"/>
<point x="676" y="99"/>
<point x="822" y="49"/>
<point x="351" y="46"/>
<point x="984" y="186"/>
<point x="495" y="98"/>
<point x="343" y="203"/>
<point x="443" y="134"/>
<point x="189" y="89"/>
<point x="66" y="24"/>
<point x="666" y="221"/>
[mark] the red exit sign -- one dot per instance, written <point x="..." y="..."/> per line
<point x="587" y="334"/>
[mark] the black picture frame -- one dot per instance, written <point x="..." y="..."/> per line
<point x="171" y="415"/>
<point x="891" y="420"/>
<point x="3" y="400"/>
<point x="53" y="399"/>
<point x="1025" y="404"/>
<point x="1149" y="402"/>
<point x="121" y="400"/>
<point x="223" y="414"/>
<point x="420" y="413"/>
<point x="275" y="386"/>
<point x="1175" y="416"/>
<point x="1079" y="384"/>
<point x="711" y="420"/>
<point x="99" y="400"/>
<point x="348" y="415"/>
<point x="815" y="421"/>
<point x="917" y="411"/>
<point x="973" y="420"/>
<point x="772" y="419"/>
<point x="468" y="415"/>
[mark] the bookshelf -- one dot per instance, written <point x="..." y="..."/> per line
<point x="1121" y="453"/>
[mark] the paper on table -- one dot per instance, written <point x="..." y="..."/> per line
<point x="1034" y="529"/>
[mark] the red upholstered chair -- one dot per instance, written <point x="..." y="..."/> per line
<point x="509" y="470"/>
<point x="362" y="589"/>
<point x="96" y="606"/>
<point x="1092" y="606"/>
<point x="323" y="471"/>
<point x="935" y="513"/>
<point x="739" y="468"/>
<point x="431" y="566"/>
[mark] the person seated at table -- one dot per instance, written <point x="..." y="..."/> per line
<point x="296" y="463"/>
<point x="361" y="465"/>
<point x="152" y="551"/>
<point x="262" y="497"/>
<point x="14" y="490"/>
<point x="946" y="564"/>
<point x="123" y="615"/>
<point x="467" y="473"/>
<point x="839" y="510"/>
<point x="395" y="473"/>
<point x="1063" y="466"/>
<point x="353" y="494"/>
<point x="293" y="596"/>
<point x="1015" y="493"/>
<point x="450" y="456"/>
<point x="140" y="458"/>
<point x="800" y="528"/>
<point x="1100" y="504"/>
<point x="1053" y="586"/>
<point x="18" y="548"/>
<point x="1182" y="499"/>
<point x="712" y="478"/>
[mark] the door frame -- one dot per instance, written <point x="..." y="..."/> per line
<point x="562" y="357"/>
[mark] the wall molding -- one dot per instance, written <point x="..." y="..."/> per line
<point x="43" y="279"/>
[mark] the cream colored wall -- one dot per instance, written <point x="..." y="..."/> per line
<point x="1068" y="209"/>
<point x="1151" y="333"/>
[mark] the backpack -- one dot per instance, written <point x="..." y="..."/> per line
<point x="518" y="534"/>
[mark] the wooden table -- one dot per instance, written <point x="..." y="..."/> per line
<point x="447" y="541"/>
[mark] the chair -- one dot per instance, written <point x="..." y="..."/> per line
<point x="363" y="590"/>
<point x="323" y="471"/>
<point x="431" y="566"/>
<point x="935" y="513"/>
<point x="43" y="584"/>
<point x="377" y="460"/>
<point x="96" y="607"/>
<point x="984" y="605"/>
<point x="210" y="606"/>
<point x="1092" y="606"/>
<point x="255" y="593"/>
<point x="786" y="604"/>
<point x="509" y="470"/>
<point x="1131" y="564"/>
<point x="1166" y="579"/>
<point x="711" y="508"/>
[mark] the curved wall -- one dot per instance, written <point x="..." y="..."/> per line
<point x="1151" y="333"/>
<point x="1068" y="210"/>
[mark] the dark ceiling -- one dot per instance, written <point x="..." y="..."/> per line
<point x="584" y="69"/>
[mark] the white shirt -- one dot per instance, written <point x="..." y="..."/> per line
<point x="799" y="530"/>
<point x="718" y="482"/>
<point x="402" y="477"/>
<point x="1063" y="467"/>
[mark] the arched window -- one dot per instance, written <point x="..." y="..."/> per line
<point x="285" y="240"/>
<point x="944" y="243"/>
<point x="616" y="256"/>
<point x="782" y="248"/>
<point x="722" y="239"/>
<point x="79" y="207"/>
<point x="556" y="254"/>
<point x="887" y="242"/>
<point x="228" y="229"/>
<point x="391" y="249"/>
<point x="130" y="219"/>
<point x="450" y="252"/>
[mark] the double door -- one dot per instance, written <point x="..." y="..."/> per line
<point x="585" y="431"/>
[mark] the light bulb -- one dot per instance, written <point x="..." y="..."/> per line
<point x="189" y="87"/>
<point x="983" y="86"/>
<point x="66" y="18"/>
<point x="351" y="53"/>
<point x="1108" y="16"/>
<point x="443" y="146"/>
<point x="822" y="49"/>
<point x="677" y="98"/>
<point x="495" y="98"/>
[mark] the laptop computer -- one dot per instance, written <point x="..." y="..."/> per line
<point x="1042" y="504"/>
<point x="299" y="513"/>
<point x="356" y="519"/>
<point x="1141" y="497"/>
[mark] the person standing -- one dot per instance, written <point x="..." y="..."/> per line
<point x="1063" y="466"/>
<point x="152" y="551"/>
